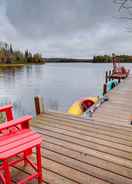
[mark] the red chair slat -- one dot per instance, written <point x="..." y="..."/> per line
<point x="16" y="150"/>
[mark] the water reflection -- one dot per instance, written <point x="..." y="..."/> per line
<point x="28" y="70"/>
<point x="53" y="104"/>
<point x="59" y="84"/>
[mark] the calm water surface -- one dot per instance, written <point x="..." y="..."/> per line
<point x="59" y="85"/>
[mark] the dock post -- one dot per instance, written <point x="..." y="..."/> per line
<point x="104" y="89"/>
<point x="110" y="75"/>
<point x="39" y="106"/>
<point x="106" y="77"/>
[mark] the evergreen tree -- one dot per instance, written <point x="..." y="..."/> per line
<point x="11" y="49"/>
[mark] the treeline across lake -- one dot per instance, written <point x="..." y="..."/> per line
<point x="108" y="59"/>
<point x="67" y="60"/>
<point x="8" y="55"/>
<point x="95" y="59"/>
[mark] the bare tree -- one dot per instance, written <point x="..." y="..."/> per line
<point x="125" y="5"/>
<point x="125" y="9"/>
<point x="121" y="3"/>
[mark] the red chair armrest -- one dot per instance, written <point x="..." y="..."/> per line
<point x="5" y="108"/>
<point x="8" y="110"/>
<point x="23" y="122"/>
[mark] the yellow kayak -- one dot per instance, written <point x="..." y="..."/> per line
<point x="80" y="106"/>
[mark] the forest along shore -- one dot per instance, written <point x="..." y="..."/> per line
<point x="95" y="59"/>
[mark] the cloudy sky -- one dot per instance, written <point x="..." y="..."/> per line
<point x="65" y="28"/>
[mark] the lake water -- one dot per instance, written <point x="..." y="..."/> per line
<point x="59" y="85"/>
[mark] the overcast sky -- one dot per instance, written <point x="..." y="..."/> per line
<point x="65" y="28"/>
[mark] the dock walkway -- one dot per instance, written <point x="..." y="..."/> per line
<point x="95" y="151"/>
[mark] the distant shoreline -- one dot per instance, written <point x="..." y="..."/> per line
<point x="68" y="60"/>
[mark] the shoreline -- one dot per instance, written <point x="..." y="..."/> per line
<point x="11" y="65"/>
<point x="18" y="65"/>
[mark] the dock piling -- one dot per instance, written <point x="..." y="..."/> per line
<point x="110" y="75"/>
<point x="104" y="89"/>
<point x="39" y="106"/>
<point x="119" y="80"/>
<point x="106" y="77"/>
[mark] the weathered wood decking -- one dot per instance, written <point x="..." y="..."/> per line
<point x="96" y="151"/>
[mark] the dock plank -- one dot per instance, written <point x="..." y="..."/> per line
<point x="101" y="134"/>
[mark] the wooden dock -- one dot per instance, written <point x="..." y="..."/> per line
<point x="95" y="151"/>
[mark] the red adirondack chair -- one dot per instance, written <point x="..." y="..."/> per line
<point x="15" y="143"/>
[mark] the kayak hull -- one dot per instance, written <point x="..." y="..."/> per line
<point x="80" y="106"/>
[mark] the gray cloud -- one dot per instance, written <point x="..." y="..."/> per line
<point x="64" y="28"/>
<point x="49" y="17"/>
